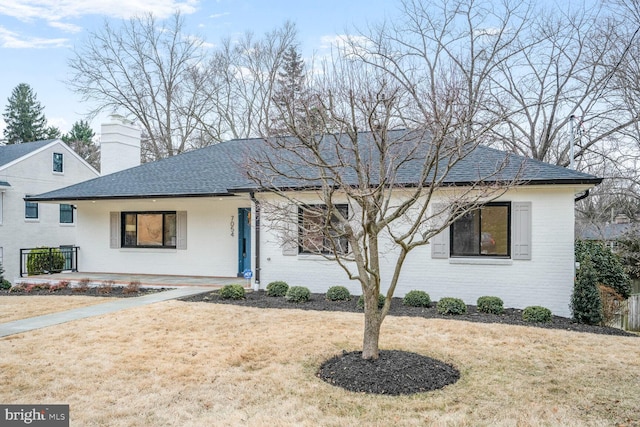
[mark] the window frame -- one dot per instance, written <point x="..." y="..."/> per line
<point x="55" y="163"/>
<point x="31" y="206"/>
<point x="509" y="230"/>
<point x="302" y="250"/>
<point x="70" y="210"/>
<point x="123" y="225"/>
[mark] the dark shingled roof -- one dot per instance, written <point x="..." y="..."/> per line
<point x="219" y="170"/>
<point x="9" y="153"/>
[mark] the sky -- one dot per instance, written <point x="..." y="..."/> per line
<point x="37" y="37"/>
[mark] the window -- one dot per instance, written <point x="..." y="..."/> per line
<point x="30" y="210"/>
<point x="148" y="229"/>
<point x="58" y="163"/>
<point x="66" y="214"/>
<point x="314" y="236"/>
<point x="483" y="232"/>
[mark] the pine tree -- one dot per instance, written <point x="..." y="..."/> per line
<point x="585" y="301"/>
<point x="80" y="139"/>
<point x="24" y="117"/>
<point x="292" y="96"/>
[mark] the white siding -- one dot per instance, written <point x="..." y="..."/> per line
<point x="211" y="250"/>
<point x="34" y="175"/>
<point x="546" y="279"/>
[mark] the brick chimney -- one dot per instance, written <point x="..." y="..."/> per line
<point x="119" y="145"/>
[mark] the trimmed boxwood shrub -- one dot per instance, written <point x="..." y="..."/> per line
<point x="491" y="305"/>
<point x="536" y="314"/>
<point x="417" y="298"/>
<point x="231" y="292"/>
<point x="381" y="299"/>
<point x="338" y="293"/>
<point x="44" y="259"/>
<point x="277" y="289"/>
<point x="298" y="294"/>
<point x="448" y="305"/>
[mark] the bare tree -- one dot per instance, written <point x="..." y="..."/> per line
<point x="374" y="193"/>
<point x="238" y="83"/>
<point x="143" y="69"/>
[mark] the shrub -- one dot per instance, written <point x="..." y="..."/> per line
<point x="586" y="303"/>
<point x="277" y="289"/>
<point x="5" y="284"/>
<point x="231" y="292"/>
<point x="417" y="299"/>
<point x="105" y="288"/>
<point x="381" y="299"/>
<point x="491" y="305"/>
<point x="338" y="293"/>
<point x="612" y="305"/>
<point x="44" y="259"/>
<point x="1" y="273"/>
<point x="83" y="286"/>
<point x="608" y="268"/>
<point x="297" y="294"/>
<point x="63" y="284"/>
<point x="448" y="305"/>
<point x="536" y="314"/>
<point x="132" y="288"/>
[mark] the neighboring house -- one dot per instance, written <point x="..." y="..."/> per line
<point x="610" y="233"/>
<point x="33" y="168"/>
<point x="195" y="214"/>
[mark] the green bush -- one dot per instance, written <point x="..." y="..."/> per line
<point x="338" y="293"/>
<point x="607" y="265"/>
<point x="536" y="314"/>
<point x="417" y="298"/>
<point x="381" y="299"/>
<point x="44" y="259"/>
<point x="448" y="305"/>
<point x="231" y="292"/>
<point x="5" y="284"/>
<point x="586" y="303"/>
<point x="277" y="289"/>
<point x="491" y="305"/>
<point x="298" y="294"/>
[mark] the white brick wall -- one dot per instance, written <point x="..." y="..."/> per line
<point x="547" y="279"/>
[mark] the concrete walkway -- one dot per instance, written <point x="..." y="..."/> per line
<point x="24" y="325"/>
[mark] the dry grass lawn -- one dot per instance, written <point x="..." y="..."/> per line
<point x="22" y="307"/>
<point x="199" y="364"/>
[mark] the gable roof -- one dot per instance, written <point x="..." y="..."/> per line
<point x="12" y="152"/>
<point x="219" y="170"/>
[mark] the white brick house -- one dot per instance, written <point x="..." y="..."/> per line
<point x="32" y="168"/>
<point x="196" y="214"/>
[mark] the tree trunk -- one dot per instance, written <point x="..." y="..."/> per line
<point x="372" y="323"/>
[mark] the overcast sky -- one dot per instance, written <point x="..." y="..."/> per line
<point x="36" y="36"/>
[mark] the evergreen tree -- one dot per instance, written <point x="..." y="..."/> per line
<point x="24" y="117"/>
<point x="292" y="98"/>
<point x="586" y="303"/>
<point x="80" y="139"/>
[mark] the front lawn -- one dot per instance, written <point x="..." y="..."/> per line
<point x="194" y="364"/>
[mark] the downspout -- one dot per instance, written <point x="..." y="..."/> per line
<point x="256" y="203"/>
<point x="582" y="196"/>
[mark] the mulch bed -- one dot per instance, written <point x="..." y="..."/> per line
<point x="93" y="291"/>
<point x="394" y="372"/>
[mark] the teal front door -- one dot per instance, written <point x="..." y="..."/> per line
<point x="244" y="240"/>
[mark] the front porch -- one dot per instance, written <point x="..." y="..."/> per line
<point x="123" y="279"/>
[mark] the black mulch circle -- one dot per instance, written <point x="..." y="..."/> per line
<point x="394" y="373"/>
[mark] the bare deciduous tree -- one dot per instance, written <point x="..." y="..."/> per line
<point x="373" y="193"/>
<point x="143" y="68"/>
